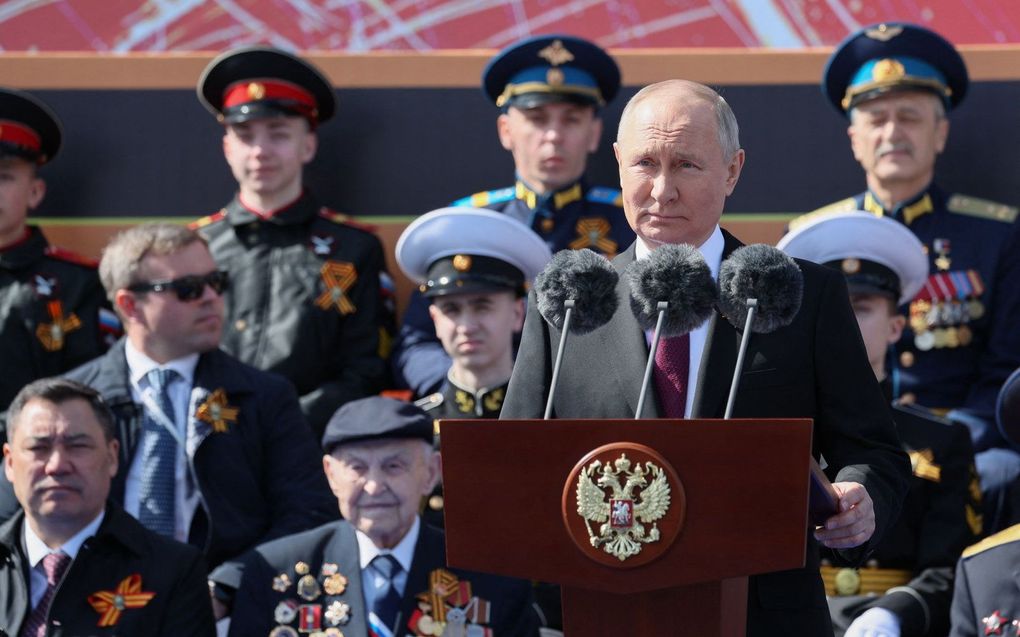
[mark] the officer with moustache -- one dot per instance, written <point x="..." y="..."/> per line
<point x="306" y="296"/>
<point x="896" y="83"/>
<point x="550" y="91"/>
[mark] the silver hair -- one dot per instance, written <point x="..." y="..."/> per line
<point x="726" y="121"/>
<point x="122" y="257"/>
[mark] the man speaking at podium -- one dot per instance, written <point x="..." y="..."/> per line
<point x="679" y="159"/>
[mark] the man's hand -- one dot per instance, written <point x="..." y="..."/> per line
<point x="875" y="622"/>
<point x="854" y="523"/>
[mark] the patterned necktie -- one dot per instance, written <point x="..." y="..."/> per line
<point x="386" y="602"/>
<point x="159" y="460"/>
<point x="54" y="565"/>
<point x="672" y="365"/>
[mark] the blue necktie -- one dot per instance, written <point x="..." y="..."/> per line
<point x="386" y="603"/>
<point x="159" y="459"/>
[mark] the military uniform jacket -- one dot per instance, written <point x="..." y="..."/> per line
<point x="454" y="401"/>
<point x="814" y="368"/>
<point x="304" y="300"/>
<point x="249" y="450"/>
<point x="121" y="550"/>
<point x="986" y="600"/>
<point x="962" y="341"/>
<point x="273" y="575"/>
<point x="939" y="519"/>
<point x="50" y="304"/>
<point x="574" y="217"/>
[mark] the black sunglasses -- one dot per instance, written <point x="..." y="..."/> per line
<point x="187" y="288"/>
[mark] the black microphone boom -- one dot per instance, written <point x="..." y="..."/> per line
<point x="673" y="291"/>
<point x="576" y="292"/>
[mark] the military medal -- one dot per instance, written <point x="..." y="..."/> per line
<point x="976" y="309"/>
<point x="335" y="584"/>
<point x="217" y="412"/>
<point x="309" y="618"/>
<point x="338" y="613"/>
<point x="848" y="581"/>
<point x="51" y="335"/>
<point x="281" y="583"/>
<point x="940" y="337"/>
<point x="285" y="611"/>
<point x="44" y="287"/>
<point x="308" y="588"/>
<point x="327" y="569"/>
<point x="322" y="245"/>
<point x="924" y="341"/>
<point x="994" y="623"/>
<point x="283" y="631"/>
<point x="951" y="338"/>
<point x="964" y="335"/>
<point x="942" y="247"/>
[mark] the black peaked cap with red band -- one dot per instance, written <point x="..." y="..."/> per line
<point x="28" y="128"/>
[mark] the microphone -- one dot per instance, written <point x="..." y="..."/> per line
<point x="762" y="287"/>
<point x="673" y="292"/>
<point x="575" y="293"/>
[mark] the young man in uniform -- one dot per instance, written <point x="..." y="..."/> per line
<point x="305" y="298"/>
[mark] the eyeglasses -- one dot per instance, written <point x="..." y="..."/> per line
<point x="187" y="288"/>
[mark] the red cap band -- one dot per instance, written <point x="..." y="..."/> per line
<point x="257" y="90"/>
<point x="19" y="135"/>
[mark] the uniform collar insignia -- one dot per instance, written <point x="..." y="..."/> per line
<point x="910" y="209"/>
<point x="127" y="595"/>
<point x="556" y="200"/>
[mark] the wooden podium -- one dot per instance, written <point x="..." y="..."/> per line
<point x="740" y="508"/>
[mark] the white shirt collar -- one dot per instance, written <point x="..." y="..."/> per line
<point x="139" y="365"/>
<point x="711" y="249"/>
<point x="37" y="549"/>
<point x="403" y="552"/>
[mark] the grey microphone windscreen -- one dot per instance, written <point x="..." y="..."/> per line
<point x="587" y="278"/>
<point x="678" y="275"/>
<point x="764" y="273"/>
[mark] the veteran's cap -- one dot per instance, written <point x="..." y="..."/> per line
<point x="28" y="128"/>
<point x="551" y="68"/>
<point x="1007" y="409"/>
<point x="464" y="250"/>
<point x="894" y="56"/>
<point x="876" y="254"/>
<point x="259" y="81"/>
<point x="376" y="418"/>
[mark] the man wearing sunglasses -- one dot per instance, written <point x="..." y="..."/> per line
<point x="212" y="451"/>
<point x="307" y="296"/>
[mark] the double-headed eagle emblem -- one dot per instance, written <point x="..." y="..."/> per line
<point x="622" y="512"/>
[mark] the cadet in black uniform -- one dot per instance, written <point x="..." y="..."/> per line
<point x="550" y="91"/>
<point x="895" y="82"/>
<point x="306" y="298"/>
<point x="907" y="585"/>
<point x="53" y="314"/>
<point x="474" y="267"/>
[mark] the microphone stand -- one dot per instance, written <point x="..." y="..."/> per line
<point x="568" y="305"/>
<point x="662" y="306"/>
<point x="752" y="308"/>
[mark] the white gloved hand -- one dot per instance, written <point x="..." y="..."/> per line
<point x="875" y="622"/>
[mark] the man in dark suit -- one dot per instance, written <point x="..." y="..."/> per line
<point x="679" y="159"/>
<point x="72" y="563"/>
<point x="212" y="451"/>
<point x="380" y="571"/>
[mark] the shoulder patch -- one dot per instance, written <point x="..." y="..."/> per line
<point x="205" y="221"/>
<point x="1012" y="534"/>
<point x="608" y="196"/>
<point x="846" y="205"/>
<point x="71" y="257"/>
<point x="486" y="197"/>
<point x="346" y="220"/>
<point x="981" y="208"/>
<point x="429" y="402"/>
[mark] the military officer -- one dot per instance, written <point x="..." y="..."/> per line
<point x="53" y="312"/>
<point x="474" y="267"/>
<point x="550" y="91"/>
<point x="379" y="571"/>
<point x="306" y="299"/>
<point x="906" y="587"/>
<point x="896" y="82"/>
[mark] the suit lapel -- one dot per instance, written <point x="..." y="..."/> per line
<point x="625" y="344"/>
<point x="715" y="372"/>
<point x="429" y="554"/>
<point x="343" y="551"/>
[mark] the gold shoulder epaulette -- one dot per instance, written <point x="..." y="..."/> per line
<point x="982" y="208"/>
<point x="1012" y="534"/>
<point x="205" y="221"/>
<point x="846" y="205"/>
<point x="345" y="220"/>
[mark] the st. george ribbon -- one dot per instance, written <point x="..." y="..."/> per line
<point x="673" y="291"/>
<point x="575" y="293"/>
<point x="760" y="291"/>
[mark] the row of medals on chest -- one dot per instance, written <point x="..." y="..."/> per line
<point x="943" y="322"/>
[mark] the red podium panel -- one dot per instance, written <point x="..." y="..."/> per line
<point x="745" y="490"/>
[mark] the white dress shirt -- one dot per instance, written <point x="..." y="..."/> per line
<point x="712" y="250"/>
<point x="36" y="550"/>
<point x="185" y="493"/>
<point x="403" y="552"/>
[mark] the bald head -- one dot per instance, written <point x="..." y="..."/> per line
<point x="674" y="93"/>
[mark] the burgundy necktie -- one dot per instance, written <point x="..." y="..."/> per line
<point x="54" y="565"/>
<point x="672" y="363"/>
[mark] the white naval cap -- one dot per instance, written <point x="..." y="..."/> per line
<point x="877" y="254"/>
<point x="459" y="250"/>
